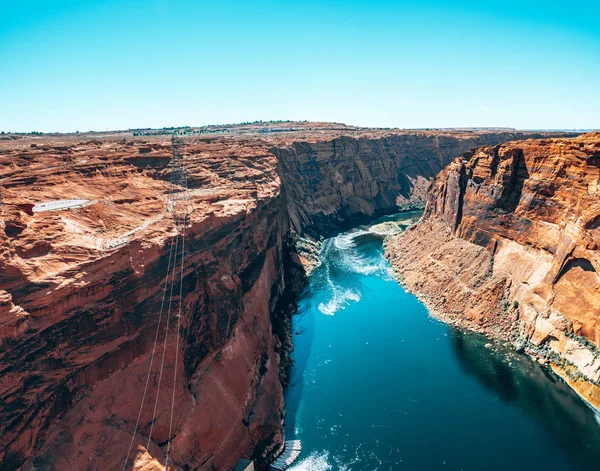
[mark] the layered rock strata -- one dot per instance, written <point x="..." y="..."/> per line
<point x="509" y="246"/>
<point x="335" y="182"/>
<point x="81" y="288"/>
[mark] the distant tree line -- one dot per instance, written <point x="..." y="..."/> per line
<point x="32" y="133"/>
<point x="210" y="129"/>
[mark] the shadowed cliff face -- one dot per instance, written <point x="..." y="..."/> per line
<point x="81" y="289"/>
<point x="331" y="183"/>
<point x="82" y="301"/>
<point x="509" y="246"/>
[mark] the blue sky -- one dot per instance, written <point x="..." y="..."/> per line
<point x="82" y="65"/>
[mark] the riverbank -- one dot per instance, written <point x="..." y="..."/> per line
<point x="377" y="383"/>
<point x="500" y="253"/>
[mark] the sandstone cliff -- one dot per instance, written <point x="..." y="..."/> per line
<point x="81" y="288"/>
<point x="508" y="245"/>
<point x="333" y="182"/>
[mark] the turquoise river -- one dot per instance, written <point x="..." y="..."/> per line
<point x="377" y="384"/>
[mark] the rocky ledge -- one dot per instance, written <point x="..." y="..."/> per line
<point x="81" y="283"/>
<point x="508" y="246"/>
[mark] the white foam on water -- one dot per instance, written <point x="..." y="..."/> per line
<point x="313" y="462"/>
<point x="365" y="266"/>
<point x="353" y="260"/>
<point x="358" y="263"/>
<point x="346" y="241"/>
<point x="342" y="252"/>
<point x="340" y="299"/>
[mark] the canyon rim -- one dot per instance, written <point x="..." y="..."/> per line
<point x="299" y="236"/>
<point x="81" y="287"/>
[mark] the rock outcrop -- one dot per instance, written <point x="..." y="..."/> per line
<point x="509" y="245"/>
<point x="82" y="293"/>
<point x="81" y="288"/>
<point x="334" y="182"/>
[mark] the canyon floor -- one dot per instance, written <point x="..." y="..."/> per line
<point x="85" y="237"/>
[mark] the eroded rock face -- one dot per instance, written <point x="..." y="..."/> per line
<point x="508" y="245"/>
<point x="82" y="295"/>
<point x="329" y="183"/>
<point x="81" y="288"/>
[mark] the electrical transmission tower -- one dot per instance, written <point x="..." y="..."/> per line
<point x="1" y="208"/>
<point x="178" y="205"/>
<point x="179" y="197"/>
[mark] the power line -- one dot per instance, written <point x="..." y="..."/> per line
<point x="152" y="356"/>
<point x="162" y="363"/>
<point x="180" y="208"/>
<point x="178" y="205"/>
<point x="177" y="344"/>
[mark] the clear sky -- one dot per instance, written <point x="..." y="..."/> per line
<point x="97" y="65"/>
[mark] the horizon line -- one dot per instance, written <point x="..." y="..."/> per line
<point x="304" y="122"/>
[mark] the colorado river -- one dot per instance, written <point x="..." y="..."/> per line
<point x="377" y="384"/>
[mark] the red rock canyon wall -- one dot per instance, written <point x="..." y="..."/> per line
<point x="81" y="289"/>
<point x="508" y="245"/>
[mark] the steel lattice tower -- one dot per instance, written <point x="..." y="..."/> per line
<point x="178" y="205"/>
<point x="179" y="197"/>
